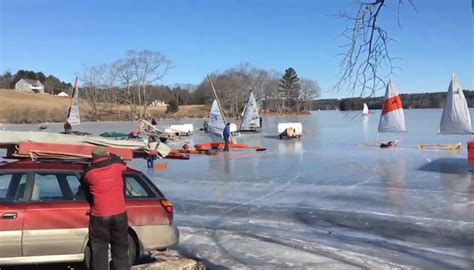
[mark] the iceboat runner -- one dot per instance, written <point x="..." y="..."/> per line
<point x="392" y="118"/>
<point x="455" y="119"/>
<point x="251" y="121"/>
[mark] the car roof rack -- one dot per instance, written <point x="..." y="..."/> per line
<point x="74" y="153"/>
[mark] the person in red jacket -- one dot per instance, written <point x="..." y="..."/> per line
<point x="108" y="216"/>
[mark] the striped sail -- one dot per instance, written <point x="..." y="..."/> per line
<point x="455" y="118"/>
<point x="392" y="118"/>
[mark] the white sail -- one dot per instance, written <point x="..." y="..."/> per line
<point x="73" y="116"/>
<point x="365" y="111"/>
<point x="251" y="119"/>
<point x="392" y="118"/>
<point x="455" y="118"/>
<point x="216" y="121"/>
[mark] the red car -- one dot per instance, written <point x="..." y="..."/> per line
<point x="44" y="214"/>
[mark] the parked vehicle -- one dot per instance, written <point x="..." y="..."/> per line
<point x="44" y="214"/>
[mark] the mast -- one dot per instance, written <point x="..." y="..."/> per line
<point x="245" y="108"/>
<point x="219" y="104"/>
<point x="217" y="99"/>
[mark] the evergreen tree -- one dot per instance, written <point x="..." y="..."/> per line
<point x="290" y="89"/>
<point x="172" y="106"/>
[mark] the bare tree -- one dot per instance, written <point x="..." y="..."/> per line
<point x="367" y="51"/>
<point x="309" y="91"/>
<point x="125" y="72"/>
<point x="93" y="79"/>
<point x="149" y="67"/>
<point x="233" y="87"/>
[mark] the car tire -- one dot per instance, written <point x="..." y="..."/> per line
<point x="132" y="254"/>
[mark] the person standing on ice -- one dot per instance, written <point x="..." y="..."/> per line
<point x="226" y="135"/>
<point x="205" y="126"/>
<point x="108" y="223"/>
<point x="67" y="127"/>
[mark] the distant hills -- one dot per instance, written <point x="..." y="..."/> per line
<point x="412" y="101"/>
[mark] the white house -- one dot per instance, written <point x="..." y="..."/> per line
<point x="158" y="103"/>
<point x="30" y="86"/>
<point x="62" y="94"/>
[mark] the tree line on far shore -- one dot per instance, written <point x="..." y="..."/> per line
<point x="133" y="81"/>
<point x="52" y="85"/>
<point x="410" y="101"/>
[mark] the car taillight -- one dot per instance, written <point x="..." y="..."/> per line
<point x="168" y="205"/>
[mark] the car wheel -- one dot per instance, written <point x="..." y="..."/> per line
<point x="132" y="254"/>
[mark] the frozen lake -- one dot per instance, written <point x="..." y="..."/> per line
<point x="323" y="201"/>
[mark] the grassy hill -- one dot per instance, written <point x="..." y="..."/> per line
<point x="23" y="107"/>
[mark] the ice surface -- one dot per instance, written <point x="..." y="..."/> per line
<point x="322" y="201"/>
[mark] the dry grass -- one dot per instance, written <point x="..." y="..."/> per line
<point x="21" y="107"/>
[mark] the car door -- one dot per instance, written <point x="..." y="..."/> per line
<point x="147" y="214"/>
<point x="56" y="215"/>
<point x="12" y="196"/>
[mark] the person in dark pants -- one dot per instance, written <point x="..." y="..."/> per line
<point x="67" y="127"/>
<point x="205" y="125"/>
<point x="226" y="135"/>
<point x="108" y="221"/>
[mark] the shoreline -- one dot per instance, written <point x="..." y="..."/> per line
<point x="115" y="117"/>
<point x="30" y="108"/>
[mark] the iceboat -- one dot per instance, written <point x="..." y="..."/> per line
<point x="365" y="110"/>
<point x="152" y="130"/>
<point x="392" y="118"/>
<point x="73" y="116"/>
<point x="455" y="119"/>
<point x="216" y="122"/>
<point x="250" y="117"/>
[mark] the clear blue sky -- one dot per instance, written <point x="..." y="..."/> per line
<point x="62" y="37"/>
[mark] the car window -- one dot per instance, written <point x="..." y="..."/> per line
<point x="12" y="186"/>
<point x="75" y="184"/>
<point x="56" y="187"/>
<point x="135" y="188"/>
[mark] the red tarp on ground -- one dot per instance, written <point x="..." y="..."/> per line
<point x="231" y="145"/>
